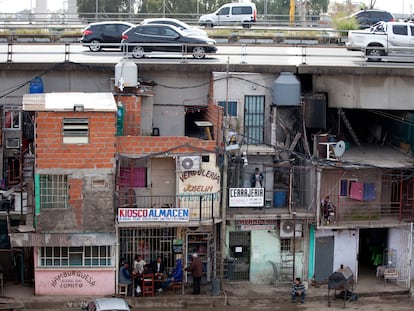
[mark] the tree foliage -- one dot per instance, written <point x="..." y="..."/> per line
<point x="110" y="8"/>
<point x="106" y="8"/>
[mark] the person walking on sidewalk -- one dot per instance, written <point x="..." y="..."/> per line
<point x="298" y="290"/>
<point x="196" y="269"/>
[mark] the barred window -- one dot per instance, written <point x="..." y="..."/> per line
<point x="75" y="131"/>
<point x="79" y="256"/>
<point x="254" y="119"/>
<point x="53" y="191"/>
<point x="285" y="245"/>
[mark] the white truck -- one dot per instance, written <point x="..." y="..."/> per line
<point x="383" y="39"/>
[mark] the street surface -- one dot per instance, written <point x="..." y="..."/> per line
<point x="363" y="304"/>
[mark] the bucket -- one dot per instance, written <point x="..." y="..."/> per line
<point x="279" y="198"/>
<point x="36" y="86"/>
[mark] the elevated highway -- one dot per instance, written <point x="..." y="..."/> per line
<point x="350" y="81"/>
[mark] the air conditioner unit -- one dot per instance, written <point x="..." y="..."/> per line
<point x="188" y="163"/>
<point x="286" y="229"/>
<point x="12" y="143"/>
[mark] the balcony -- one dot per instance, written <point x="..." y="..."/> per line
<point x="204" y="208"/>
<point x="366" y="214"/>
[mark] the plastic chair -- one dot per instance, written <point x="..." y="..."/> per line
<point x="123" y="289"/>
<point x="147" y="285"/>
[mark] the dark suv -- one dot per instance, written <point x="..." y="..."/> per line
<point x="367" y="18"/>
<point x="104" y="35"/>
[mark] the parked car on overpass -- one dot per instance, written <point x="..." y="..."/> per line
<point x="143" y="39"/>
<point x="177" y="23"/>
<point x="367" y="18"/>
<point x="101" y="35"/>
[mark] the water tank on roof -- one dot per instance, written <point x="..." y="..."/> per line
<point x="286" y="90"/>
<point x="126" y="74"/>
<point x="36" y="86"/>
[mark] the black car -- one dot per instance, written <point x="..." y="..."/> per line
<point x="142" y="39"/>
<point x="104" y="35"/>
<point x="367" y="18"/>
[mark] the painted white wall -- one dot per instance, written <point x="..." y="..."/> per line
<point x="265" y="248"/>
<point x="346" y="243"/>
<point x="346" y="250"/>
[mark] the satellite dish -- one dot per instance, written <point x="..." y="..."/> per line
<point x="339" y="148"/>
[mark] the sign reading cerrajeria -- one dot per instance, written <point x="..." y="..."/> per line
<point x="246" y="197"/>
<point x="153" y="214"/>
<point x="72" y="279"/>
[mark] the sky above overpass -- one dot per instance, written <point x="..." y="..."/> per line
<point x="393" y="6"/>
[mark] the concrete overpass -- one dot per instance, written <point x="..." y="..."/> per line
<point x="386" y="86"/>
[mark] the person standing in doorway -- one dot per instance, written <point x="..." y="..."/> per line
<point x="257" y="179"/>
<point x="196" y="269"/>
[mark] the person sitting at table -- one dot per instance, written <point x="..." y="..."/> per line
<point x="139" y="265"/>
<point x="138" y="269"/>
<point x="176" y="275"/>
<point x="158" y="267"/>
<point x="125" y="276"/>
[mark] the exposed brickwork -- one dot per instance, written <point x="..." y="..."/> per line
<point x="132" y="114"/>
<point x="162" y="144"/>
<point x="52" y="153"/>
<point x="214" y="114"/>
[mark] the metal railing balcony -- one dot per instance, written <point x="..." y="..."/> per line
<point x="368" y="212"/>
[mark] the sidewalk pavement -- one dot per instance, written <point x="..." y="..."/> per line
<point x="21" y="297"/>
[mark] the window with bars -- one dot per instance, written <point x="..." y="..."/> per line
<point x="231" y="109"/>
<point x="286" y="245"/>
<point x="75" y="256"/>
<point x="254" y="119"/>
<point x="75" y="131"/>
<point x="149" y="243"/>
<point x="53" y="191"/>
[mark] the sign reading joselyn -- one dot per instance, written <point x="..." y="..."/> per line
<point x="246" y="197"/>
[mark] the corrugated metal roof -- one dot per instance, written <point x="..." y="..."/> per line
<point x="375" y="156"/>
<point x="68" y="100"/>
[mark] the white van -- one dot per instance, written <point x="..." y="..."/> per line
<point x="230" y="14"/>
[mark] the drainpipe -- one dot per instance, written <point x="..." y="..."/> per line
<point x="116" y="257"/>
<point x="224" y="180"/>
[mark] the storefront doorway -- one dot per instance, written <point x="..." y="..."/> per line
<point x="372" y="244"/>
<point x="148" y="242"/>
<point x="239" y="243"/>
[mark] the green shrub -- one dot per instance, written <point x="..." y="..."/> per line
<point x="344" y="23"/>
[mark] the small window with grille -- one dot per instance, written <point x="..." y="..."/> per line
<point x="75" y="131"/>
<point x="285" y="245"/>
